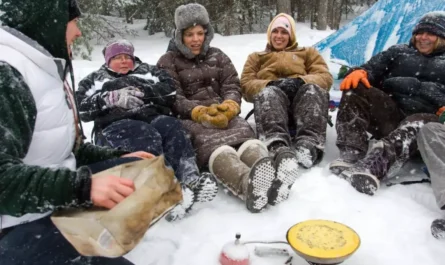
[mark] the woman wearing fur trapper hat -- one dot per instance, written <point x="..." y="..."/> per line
<point x="208" y="101"/>
<point x="391" y="97"/>
<point x="295" y="81"/>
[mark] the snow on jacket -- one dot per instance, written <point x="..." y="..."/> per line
<point x="263" y="67"/>
<point x="156" y="83"/>
<point x="415" y="81"/>
<point x="38" y="151"/>
<point x="203" y="80"/>
<point x="206" y="80"/>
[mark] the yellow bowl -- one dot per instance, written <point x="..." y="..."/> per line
<point x="323" y="241"/>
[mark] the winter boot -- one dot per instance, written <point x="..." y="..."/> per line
<point x="308" y="154"/>
<point x="275" y="146"/>
<point x="251" y="184"/>
<point x="204" y="188"/>
<point x="286" y="164"/>
<point x="348" y="157"/>
<point x="181" y="210"/>
<point x="438" y="228"/>
<point x="365" y="175"/>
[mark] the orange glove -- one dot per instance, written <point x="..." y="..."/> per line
<point x="229" y="108"/>
<point x="440" y="111"/>
<point x="210" y="117"/>
<point x="354" y="78"/>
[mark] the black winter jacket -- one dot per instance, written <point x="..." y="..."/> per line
<point x="415" y="81"/>
<point x="156" y="84"/>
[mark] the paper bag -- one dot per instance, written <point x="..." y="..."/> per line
<point x="113" y="233"/>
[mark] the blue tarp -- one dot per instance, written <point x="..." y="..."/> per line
<point x="386" y="23"/>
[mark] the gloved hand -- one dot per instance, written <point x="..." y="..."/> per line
<point x="441" y="114"/>
<point x="126" y="98"/>
<point x="289" y="86"/>
<point x="210" y="117"/>
<point x="229" y="108"/>
<point x="354" y="78"/>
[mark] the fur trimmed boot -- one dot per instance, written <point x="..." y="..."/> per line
<point x="251" y="184"/>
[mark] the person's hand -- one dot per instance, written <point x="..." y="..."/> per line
<point x="354" y="78"/>
<point x="214" y="118"/>
<point x="229" y="108"/>
<point x="210" y="116"/>
<point x="140" y="154"/>
<point x="441" y="114"/>
<point x="108" y="191"/>
<point x="289" y="86"/>
<point x="126" y="98"/>
<point x="198" y="112"/>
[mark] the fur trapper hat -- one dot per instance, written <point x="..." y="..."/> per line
<point x="191" y="15"/>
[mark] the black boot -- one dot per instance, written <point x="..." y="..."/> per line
<point x="308" y="155"/>
<point x="438" y="228"/>
<point x="365" y="175"/>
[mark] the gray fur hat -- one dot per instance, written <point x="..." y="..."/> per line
<point x="187" y="16"/>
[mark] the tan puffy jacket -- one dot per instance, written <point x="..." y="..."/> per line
<point x="263" y="67"/>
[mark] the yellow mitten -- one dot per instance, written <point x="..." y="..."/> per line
<point x="229" y="108"/>
<point x="214" y="119"/>
<point x="198" y="112"/>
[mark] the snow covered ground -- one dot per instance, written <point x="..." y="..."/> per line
<point x="394" y="225"/>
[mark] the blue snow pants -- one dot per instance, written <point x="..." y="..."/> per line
<point x="164" y="135"/>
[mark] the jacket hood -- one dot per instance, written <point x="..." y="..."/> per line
<point x="292" y="39"/>
<point x="43" y="21"/>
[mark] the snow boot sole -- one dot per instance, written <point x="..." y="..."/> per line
<point x="438" y="228"/>
<point x="338" y="166"/>
<point x="181" y="210"/>
<point x="261" y="176"/>
<point x="363" y="182"/>
<point x="205" y="187"/>
<point x="286" y="165"/>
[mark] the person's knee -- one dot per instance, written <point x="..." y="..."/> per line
<point x="168" y="121"/>
<point x="312" y="89"/>
<point x="431" y="129"/>
<point x="360" y="90"/>
<point x="270" y="92"/>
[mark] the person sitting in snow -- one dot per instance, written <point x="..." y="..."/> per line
<point x="431" y="143"/>
<point x="130" y="103"/>
<point x="289" y="86"/>
<point x="44" y="164"/>
<point x="208" y="99"/>
<point x="391" y="97"/>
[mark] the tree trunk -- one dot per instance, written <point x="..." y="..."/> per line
<point x="314" y="14"/>
<point x="322" y="14"/>
<point x="336" y="15"/>
<point x="303" y="10"/>
<point x="284" y="6"/>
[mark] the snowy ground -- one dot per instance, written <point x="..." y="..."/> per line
<point x="394" y="225"/>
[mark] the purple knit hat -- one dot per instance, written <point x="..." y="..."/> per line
<point x="118" y="47"/>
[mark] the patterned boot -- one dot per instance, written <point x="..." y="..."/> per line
<point x="251" y="184"/>
<point x="285" y="164"/>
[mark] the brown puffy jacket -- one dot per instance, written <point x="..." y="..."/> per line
<point x="263" y="67"/>
<point x="205" y="80"/>
<point x="202" y="80"/>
